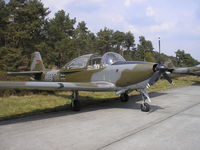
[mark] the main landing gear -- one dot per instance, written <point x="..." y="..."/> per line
<point x="75" y="104"/>
<point x="145" y="106"/>
<point x="124" y="97"/>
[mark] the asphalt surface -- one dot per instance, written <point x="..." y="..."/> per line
<point x="172" y="123"/>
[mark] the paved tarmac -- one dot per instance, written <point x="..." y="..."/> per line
<point x="172" y="124"/>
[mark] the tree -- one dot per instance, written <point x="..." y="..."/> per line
<point x="23" y="25"/>
<point x="143" y="47"/>
<point x="26" y="22"/>
<point x="11" y="59"/>
<point x="92" y="43"/>
<point x="3" y="21"/>
<point x="118" y="41"/>
<point x="149" y="57"/>
<point x="60" y="36"/>
<point x="185" y="59"/>
<point x="81" y="30"/>
<point x="61" y="26"/>
<point x="129" y="41"/>
<point x="81" y="37"/>
<point x="129" y="46"/>
<point x="105" y="40"/>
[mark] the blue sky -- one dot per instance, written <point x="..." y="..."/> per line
<point x="177" y="22"/>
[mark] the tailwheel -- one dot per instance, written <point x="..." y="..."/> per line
<point x="75" y="104"/>
<point x="145" y="107"/>
<point x="124" y="97"/>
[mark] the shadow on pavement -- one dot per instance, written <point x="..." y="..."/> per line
<point x="88" y="104"/>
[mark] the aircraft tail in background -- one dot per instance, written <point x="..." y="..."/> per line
<point x="37" y="67"/>
<point x="37" y="63"/>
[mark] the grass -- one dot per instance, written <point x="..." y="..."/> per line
<point x="179" y="81"/>
<point x="20" y="106"/>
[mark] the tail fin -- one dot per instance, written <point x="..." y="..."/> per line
<point x="37" y="63"/>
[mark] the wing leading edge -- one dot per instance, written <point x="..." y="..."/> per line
<point x="93" y="86"/>
<point x="24" y="73"/>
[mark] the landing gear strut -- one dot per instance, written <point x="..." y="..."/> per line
<point x="124" y="97"/>
<point x="75" y="104"/>
<point x="145" y="106"/>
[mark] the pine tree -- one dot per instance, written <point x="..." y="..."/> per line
<point x="143" y="47"/>
<point x="24" y="28"/>
<point x="105" y="40"/>
<point x="3" y="22"/>
<point x="60" y="38"/>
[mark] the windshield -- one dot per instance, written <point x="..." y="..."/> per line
<point x="110" y="57"/>
<point x="80" y="62"/>
<point x="94" y="61"/>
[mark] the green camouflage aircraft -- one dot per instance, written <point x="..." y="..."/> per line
<point x="188" y="70"/>
<point x="92" y="72"/>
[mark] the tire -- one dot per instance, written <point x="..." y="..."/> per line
<point x="76" y="106"/>
<point x="145" y="107"/>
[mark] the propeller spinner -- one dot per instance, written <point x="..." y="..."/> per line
<point x="160" y="70"/>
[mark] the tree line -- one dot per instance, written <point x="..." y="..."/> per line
<point x="25" y="28"/>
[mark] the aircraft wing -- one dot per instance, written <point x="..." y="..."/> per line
<point x="82" y="86"/>
<point x="24" y="73"/>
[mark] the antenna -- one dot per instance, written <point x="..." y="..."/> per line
<point x="159" y="50"/>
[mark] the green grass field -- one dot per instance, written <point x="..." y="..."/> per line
<point x="21" y="106"/>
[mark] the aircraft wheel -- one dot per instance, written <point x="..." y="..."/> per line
<point x="75" y="105"/>
<point x="145" y="107"/>
<point x="124" y="97"/>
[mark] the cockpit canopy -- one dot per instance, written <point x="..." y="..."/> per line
<point x="110" y="58"/>
<point x="94" y="61"/>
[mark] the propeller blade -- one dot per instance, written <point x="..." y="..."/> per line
<point x="165" y="76"/>
<point x="155" y="77"/>
<point x="160" y="70"/>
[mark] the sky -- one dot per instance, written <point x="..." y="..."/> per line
<point x="176" y="22"/>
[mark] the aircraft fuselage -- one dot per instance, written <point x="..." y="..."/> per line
<point x="121" y="75"/>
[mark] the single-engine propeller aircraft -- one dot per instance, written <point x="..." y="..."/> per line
<point x="92" y="72"/>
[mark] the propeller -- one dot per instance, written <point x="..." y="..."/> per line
<point x="160" y="70"/>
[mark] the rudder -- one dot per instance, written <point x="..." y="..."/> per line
<point x="37" y="63"/>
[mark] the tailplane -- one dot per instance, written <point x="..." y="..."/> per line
<point x="37" y="68"/>
<point x="37" y="63"/>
